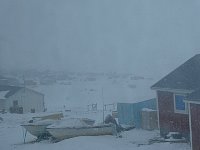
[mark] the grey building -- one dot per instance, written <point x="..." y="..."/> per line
<point x="21" y="100"/>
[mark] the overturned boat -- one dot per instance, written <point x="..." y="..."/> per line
<point x="73" y="127"/>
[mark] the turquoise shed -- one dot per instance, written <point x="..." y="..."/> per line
<point x="130" y="113"/>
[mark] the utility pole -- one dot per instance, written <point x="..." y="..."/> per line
<point x="103" y="102"/>
<point x="24" y="84"/>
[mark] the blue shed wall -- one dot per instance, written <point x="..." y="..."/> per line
<point x="130" y="113"/>
<point x="125" y="113"/>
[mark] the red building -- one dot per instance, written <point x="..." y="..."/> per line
<point x="178" y="101"/>
<point x="193" y="101"/>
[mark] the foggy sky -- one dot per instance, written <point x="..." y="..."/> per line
<point x="99" y="35"/>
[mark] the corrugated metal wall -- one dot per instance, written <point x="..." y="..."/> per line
<point x="130" y="113"/>
<point x="125" y="113"/>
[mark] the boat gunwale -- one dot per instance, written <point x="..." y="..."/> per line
<point x="84" y="127"/>
<point x="34" y="125"/>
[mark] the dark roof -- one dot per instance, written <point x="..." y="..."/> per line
<point x="12" y="90"/>
<point x="185" y="77"/>
<point x="194" y="96"/>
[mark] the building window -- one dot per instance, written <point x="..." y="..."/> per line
<point x="179" y="105"/>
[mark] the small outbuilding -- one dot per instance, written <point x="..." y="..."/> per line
<point x="16" y="99"/>
<point x="131" y="113"/>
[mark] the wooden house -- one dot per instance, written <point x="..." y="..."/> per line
<point x="15" y="99"/>
<point x="178" y="101"/>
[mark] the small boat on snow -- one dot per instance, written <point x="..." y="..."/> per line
<point x="37" y="126"/>
<point x="73" y="127"/>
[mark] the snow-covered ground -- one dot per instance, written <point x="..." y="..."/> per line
<point x="76" y="96"/>
<point x="11" y="138"/>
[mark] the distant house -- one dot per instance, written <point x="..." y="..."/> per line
<point x="131" y="113"/>
<point x="178" y="100"/>
<point x="20" y="100"/>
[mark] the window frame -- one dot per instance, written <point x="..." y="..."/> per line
<point x="186" y="104"/>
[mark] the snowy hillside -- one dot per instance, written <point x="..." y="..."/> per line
<point x="82" y="92"/>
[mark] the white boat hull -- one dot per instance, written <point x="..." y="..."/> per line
<point x="69" y="132"/>
<point x="37" y="126"/>
<point x="37" y="130"/>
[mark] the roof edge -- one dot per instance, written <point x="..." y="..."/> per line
<point x="172" y="90"/>
<point x="192" y="101"/>
<point x="39" y="93"/>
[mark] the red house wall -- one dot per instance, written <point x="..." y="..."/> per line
<point x="170" y="121"/>
<point x="195" y="125"/>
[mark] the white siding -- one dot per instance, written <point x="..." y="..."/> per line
<point x="28" y="99"/>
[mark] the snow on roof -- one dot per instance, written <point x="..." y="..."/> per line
<point x="147" y="109"/>
<point x="3" y="94"/>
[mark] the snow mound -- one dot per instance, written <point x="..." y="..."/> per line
<point x="69" y="122"/>
<point x="40" y="122"/>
